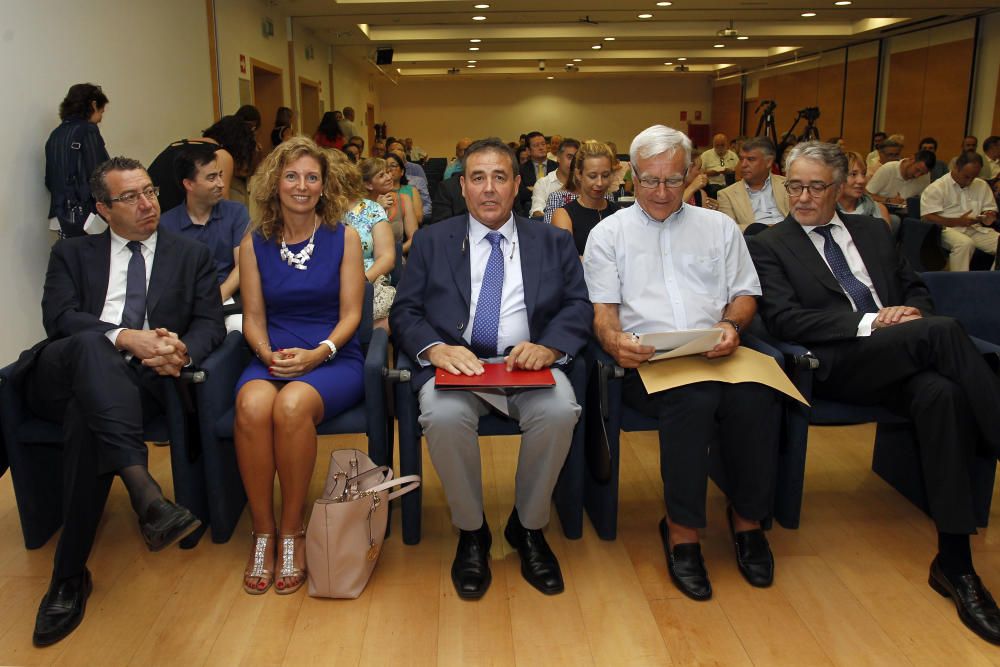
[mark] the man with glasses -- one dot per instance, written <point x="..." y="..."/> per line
<point x="836" y="283"/>
<point x="759" y="199"/>
<point x="123" y="310"/>
<point x="660" y="266"/>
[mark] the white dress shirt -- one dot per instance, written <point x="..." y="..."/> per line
<point x="765" y="208"/>
<point x="672" y="275"/>
<point x="845" y="241"/>
<point x="114" y="302"/>
<point x="543" y="188"/>
<point x="888" y="181"/>
<point x="950" y="200"/>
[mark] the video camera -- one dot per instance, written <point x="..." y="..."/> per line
<point x="809" y="113"/>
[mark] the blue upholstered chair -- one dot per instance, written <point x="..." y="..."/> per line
<point x="601" y="497"/>
<point x="33" y="448"/>
<point x="216" y="408"/>
<point x="568" y="493"/>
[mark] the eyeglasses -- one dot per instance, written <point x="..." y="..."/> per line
<point x="651" y="183"/>
<point x="132" y="198"/>
<point x="816" y="188"/>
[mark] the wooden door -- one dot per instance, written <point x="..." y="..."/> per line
<point x="309" y="106"/>
<point x="268" y="95"/>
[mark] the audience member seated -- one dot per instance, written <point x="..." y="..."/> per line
<point x="621" y="174"/>
<point x="963" y="205"/>
<point x="378" y="148"/>
<point x="206" y="217"/>
<point x="378" y="248"/>
<point x="659" y="266"/>
<point x="940" y="168"/>
<point x="695" y="183"/>
<point x="555" y="142"/>
<point x="537" y="166"/>
<point x="523" y="155"/>
<point x="236" y="148"/>
<point x="353" y="153"/>
<point x="396" y="166"/>
<point x="329" y="134"/>
<point x="591" y="174"/>
<point x="717" y="163"/>
<point x="414" y="153"/>
<point x="554" y="180"/>
<point x="448" y="199"/>
<point x="455" y="165"/>
<point x="877" y="140"/>
<point x="416" y="177"/>
<point x="873" y="331"/>
<point x="379" y="184"/>
<point x="759" y="199"/>
<point x="529" y="310"/>
<point x="282" y="130"/>
<point x="888" y="151"/>
<point x="969" y="143"/>
<point x="104" y="366"/>
<point x="72" y="152"/>
<point x="896" y="181"/>
<point x="357" y="141"/>
<point x="991" y="165"/>
<point x="854" y="199"/>
<point x="303" y="286"/>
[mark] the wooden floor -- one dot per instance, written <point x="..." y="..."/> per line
<point x="850" y="587"/>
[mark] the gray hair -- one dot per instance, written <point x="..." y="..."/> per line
<point x="657" y="140"/>
<point x="762" y="144"/>
<point x="968" y="157"/>
<point x="98" y="180"/>
<point x="830" y="155"/>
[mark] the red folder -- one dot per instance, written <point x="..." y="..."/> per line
<point x="495" y="376"/>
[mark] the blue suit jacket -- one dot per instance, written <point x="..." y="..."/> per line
<point x="433" y="297"/>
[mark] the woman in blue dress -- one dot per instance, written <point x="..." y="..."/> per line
<point x="302" y="282"/>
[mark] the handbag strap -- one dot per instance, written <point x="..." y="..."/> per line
<point x="411" y="482"/>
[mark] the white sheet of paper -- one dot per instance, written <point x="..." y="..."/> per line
<point x="671" y="344"/>
<point x="95" y="224"/>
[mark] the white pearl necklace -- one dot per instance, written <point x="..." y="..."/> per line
<point x="299" y="259"/>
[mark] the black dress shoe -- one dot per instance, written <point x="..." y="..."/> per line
<point x="470" y="571"/>
<point x="975" y="605"/>
<point x="539" y="566"/>
<point x="165" y="523"/>
<point x="753" y="554"/>
<point x="61" y="609"/>
<point x="686" y="566"/>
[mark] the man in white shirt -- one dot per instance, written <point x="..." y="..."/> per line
<point x="896" y="181"/>
<point x="963" y="205"/>
<point x="759" y="199"/>
<point x="662" y="265"/>
<point x="991" y="165"/>
<point x="969" y="143"/>
<point x="836" y="283"/>
<point x="888" y="151"/>
<point x="554" y="180"/>
<point x="123" y="310"/>
<point x="717" y="164"/>
<point x="347" y="125"/>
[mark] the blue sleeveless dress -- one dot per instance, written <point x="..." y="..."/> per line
<point x="302" y="309"/>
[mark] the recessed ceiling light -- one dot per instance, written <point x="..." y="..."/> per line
<point x="473" y="48"/>
<point x="842" y="3"/>
<point x="472" y="61"/>
<point x="475" y="41"/>
<point x="578" y="60"/>
<point x="742" y="38"/>
<point x="682" y="59"/>
<point x="482" y="6"/>
<point x="478" y="18"/>
<point x="668" y="64"/>
<point x="609" y="39"/>
<point x="645" y="16"/>
<point x="808" y="15"/>
<point x="719" y="46"/>
<point x="550" y="77"/>
<point x="470" y="65"/>
<point x="596" y="47"/>
<point x="664" y="4"/>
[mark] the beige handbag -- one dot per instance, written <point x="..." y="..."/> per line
<point x="348" y="521"/>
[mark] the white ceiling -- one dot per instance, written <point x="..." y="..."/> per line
<point x="430" y="38"/>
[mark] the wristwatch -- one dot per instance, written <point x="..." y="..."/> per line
<point x="731" y="323"/>
<point x="333" y="349"/>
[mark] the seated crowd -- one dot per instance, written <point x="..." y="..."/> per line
<point x="663" y="241"/>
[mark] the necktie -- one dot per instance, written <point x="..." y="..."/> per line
<point x="859" y="293"/>
<point x="487" y="323"/>
<point x="134" y="313"/>
<point x="540" y="170"/>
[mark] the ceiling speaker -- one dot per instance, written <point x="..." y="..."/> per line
<point x="383" y="56"/>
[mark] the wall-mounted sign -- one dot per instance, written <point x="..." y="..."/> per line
<point x="243" y="64"/>
<point x="684" y="115"/>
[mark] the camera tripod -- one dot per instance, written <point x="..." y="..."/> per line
<point x="810" y="133"/>
<point x="765" y="126"/>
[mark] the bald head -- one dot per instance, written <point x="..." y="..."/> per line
<point x="720" y="143"/>
<point x="460" y="147"/>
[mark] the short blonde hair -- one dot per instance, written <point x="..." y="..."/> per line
<point x="264" y="186"/>
<point x="588" y="150"/>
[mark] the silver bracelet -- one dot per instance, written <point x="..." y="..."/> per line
<point x="333" y="348"/>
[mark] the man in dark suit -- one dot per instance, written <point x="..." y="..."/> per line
<point x="496" y="287"/>
<point x="835" y="282"/>
<point x="537" y="166"/>
<point x="448" y="200"/>
<point x="124" y="311"/>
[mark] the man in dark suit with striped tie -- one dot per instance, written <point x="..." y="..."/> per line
<point x="123" y="310"/>
<point x="835" y="282"/>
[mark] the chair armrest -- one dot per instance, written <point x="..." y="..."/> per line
<point x="224" y="366"/>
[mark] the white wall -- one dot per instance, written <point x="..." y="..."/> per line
<point x="437" y="113"/>
<point x="150" y="57"/>
<point x="355" y="84"/>
<point x="984" y="87"/>
<point x="239" y="33"/>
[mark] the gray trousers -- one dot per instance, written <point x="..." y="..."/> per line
<point x="450" y="421"/>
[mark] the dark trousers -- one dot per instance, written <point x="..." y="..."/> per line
<point x="742" y="420"/>
<point x="930" y="371"/>
<point x="100" y="399"/>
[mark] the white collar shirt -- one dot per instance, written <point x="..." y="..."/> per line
<point x="114" y="301"/>
<point x="513" y="311"/>
<point x="765" y="208"/>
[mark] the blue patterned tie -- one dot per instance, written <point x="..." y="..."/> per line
<point x="859" y="293"/>
<point x="487" y="323"/>
<point x="134" y="313"/>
